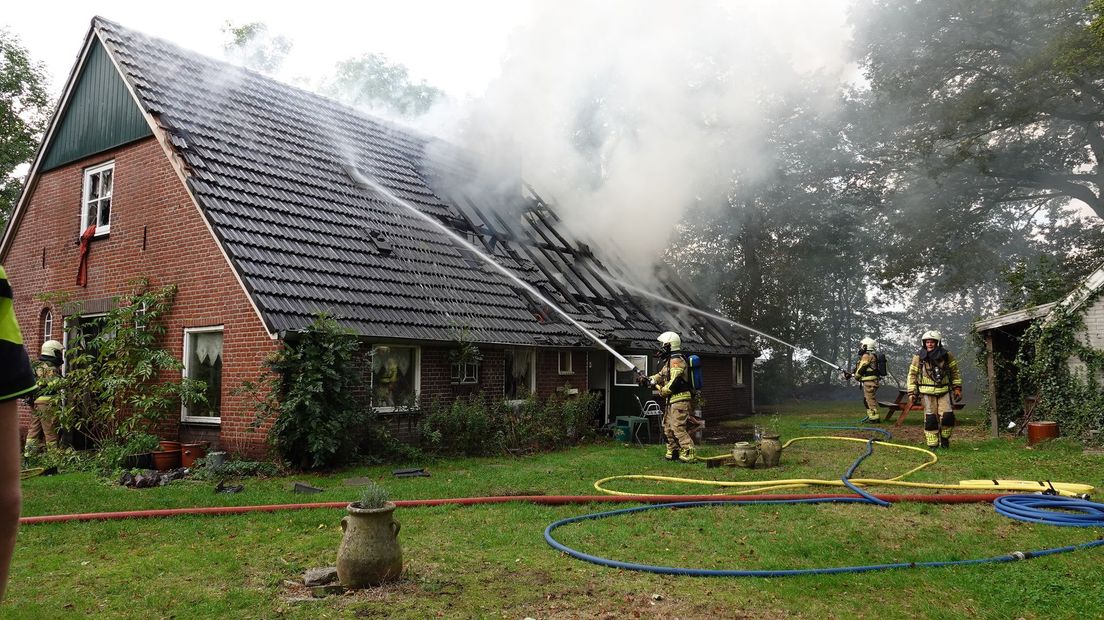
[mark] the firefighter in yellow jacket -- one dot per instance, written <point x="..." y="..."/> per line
<point x="866" y="373"/>
<point x="673" y="384"/>
<point x="43" y="432"/>
<point x="934" y="377"/>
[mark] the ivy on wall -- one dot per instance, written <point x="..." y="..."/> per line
<point x="1071" y="395"/>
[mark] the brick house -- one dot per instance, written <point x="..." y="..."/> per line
<point x="1003" y="333"/>
<point x="244" y="192"/>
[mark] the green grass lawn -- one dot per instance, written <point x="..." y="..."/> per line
<point x="492" y="561"/>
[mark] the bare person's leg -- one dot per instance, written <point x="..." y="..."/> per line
<point x="11" y="496"/>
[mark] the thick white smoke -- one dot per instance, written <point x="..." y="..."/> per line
<point x="626" y="113"/>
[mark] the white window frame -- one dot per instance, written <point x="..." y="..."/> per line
<point x="88" y="174"/>
<point x="560" y="357"/>
<point x="47" y="325"/>
<point x="417" y="379"/>
<point x="188" y="331"/>
<point x="532" y="376"/>
<point x="637" y="361"/>
<point x="738" y="372"/>
<point x="464" y="373"/>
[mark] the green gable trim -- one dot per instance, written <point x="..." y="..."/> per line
<point x="100" y="115"/>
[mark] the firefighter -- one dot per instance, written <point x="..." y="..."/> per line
<point x="866" y="373"/>
<point x="934" y="378"/>
<point x="16" y="381"/>
<point x="47" y="371"/>
<point x="674" y="385"/>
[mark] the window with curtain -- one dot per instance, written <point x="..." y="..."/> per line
<point x="520" y="373"/>
<point x="203" y="362"/>
<point x="737" y="371"/>
<point x="394" y="377"/>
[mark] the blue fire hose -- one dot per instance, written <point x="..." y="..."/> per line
<point x="1045" y="509"/>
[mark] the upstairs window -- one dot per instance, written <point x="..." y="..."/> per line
<point x="96" y="198"/>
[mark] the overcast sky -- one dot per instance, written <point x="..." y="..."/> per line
<point x="456" y="45"/>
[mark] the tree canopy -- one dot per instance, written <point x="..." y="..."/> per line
<point x="24" y="113"/>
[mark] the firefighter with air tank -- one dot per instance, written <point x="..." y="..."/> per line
<point x="934" y="378"/>
<point x="673" y="383"/>
<point x="867" y="374"/>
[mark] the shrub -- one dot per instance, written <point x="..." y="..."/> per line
<point x="309" y="391"/>
<point x="234" y="469"/>
<point x="477" y="426"/>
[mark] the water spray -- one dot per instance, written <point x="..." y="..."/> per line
<point x="718" y="317"/>
<point x="369" y="184"/>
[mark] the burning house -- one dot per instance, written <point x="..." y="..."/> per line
<point x="241" y="190"/>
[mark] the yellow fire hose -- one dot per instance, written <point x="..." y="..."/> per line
<point x="1066" y="489"/>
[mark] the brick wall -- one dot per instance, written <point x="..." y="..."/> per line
<point x="722" y="400"/>
<point x="436" y="385"/>
<point x="156" y="232"/>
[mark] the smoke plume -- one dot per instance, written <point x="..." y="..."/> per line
<point x="626" y="114"/>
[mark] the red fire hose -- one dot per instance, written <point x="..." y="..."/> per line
<point x="553" y="500"/>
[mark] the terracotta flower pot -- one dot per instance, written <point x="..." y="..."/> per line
<point x="164" y="460"/>
<point x="189" y="452"/>
<point x="369" y="553"/>
<point x="169" y="445"/>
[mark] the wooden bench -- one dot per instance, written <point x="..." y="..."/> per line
<point x="904" y="405"/>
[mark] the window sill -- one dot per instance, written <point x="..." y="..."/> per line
<point x="201" y="421"/>
<point x="96" y="237"/>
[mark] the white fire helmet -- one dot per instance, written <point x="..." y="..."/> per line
<point x="869" y="343"/>
<point x="932" y="334"/>
<point x="52" y="348"/>
<point x="670" y="338"/>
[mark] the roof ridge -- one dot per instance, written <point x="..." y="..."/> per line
<point x="385" y="123"/>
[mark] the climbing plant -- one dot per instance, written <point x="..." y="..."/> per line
<point x="1056" y="363"/>
<point x="119" y="379"/>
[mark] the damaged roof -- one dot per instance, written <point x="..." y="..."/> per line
<point x="269" y="167"/>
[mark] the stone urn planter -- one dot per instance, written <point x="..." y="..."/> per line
<point x="369" y="553"/>
<point x="745" y="454"/>
<point x="770" y="447"/>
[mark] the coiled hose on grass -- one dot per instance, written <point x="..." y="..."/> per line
<point x="704" y="572"/>
<point x="1032" y="508"/>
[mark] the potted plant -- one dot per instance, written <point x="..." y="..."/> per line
<point x="137" y="451"/>
<point x="369" y="553"/>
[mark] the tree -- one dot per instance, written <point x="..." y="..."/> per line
<point x="1010" y="94"/>
<point x="253" y="47"/>
<point x="24" y="113"/>
<point x="373" y="81"/>
<point x="792" y="251"/>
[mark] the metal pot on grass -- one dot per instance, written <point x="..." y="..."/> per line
<point x="369" y="554"/>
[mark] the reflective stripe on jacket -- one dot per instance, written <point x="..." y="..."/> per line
<point x="867" y="368"/>
<point x="15" y="378"/>
<point x="921" y="379"/>
<point x="667" y="376"/>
